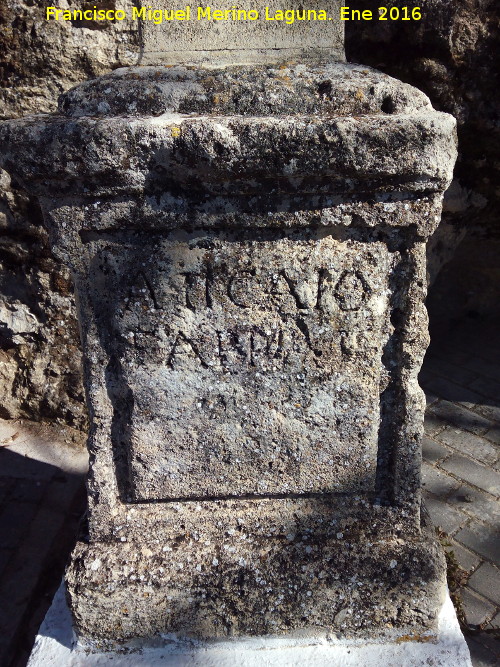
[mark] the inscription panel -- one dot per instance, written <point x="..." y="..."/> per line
<point x="244" y="367"/>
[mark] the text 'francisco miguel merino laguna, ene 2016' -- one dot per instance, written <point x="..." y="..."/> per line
<point x="189" y="13"/>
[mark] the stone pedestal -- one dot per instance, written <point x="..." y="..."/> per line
<point x="248" y="248"/>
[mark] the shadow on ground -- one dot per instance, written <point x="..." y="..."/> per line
<point x="41" y="509"/>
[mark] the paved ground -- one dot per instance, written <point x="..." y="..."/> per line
<point x="461" y="472"/>
<point x="42" y="498"/>
<point x="41" y="502"/>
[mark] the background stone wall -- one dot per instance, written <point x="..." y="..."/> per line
<point x="450" y="54"/>
<point x="39" y="342"/>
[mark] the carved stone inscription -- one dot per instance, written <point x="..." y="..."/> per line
<point x="245" y="367"/>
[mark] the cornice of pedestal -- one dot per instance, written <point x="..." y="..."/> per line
<point x="267" y="134"/>
<point x="334" y="89"/>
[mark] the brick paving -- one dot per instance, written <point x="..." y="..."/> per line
<point x="461" y="471"/>
<point x="42" y="496"/>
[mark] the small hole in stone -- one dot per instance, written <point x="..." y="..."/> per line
<point x="372" y="90"/>
<point x="388" y="105"/>
<point x="325" y="88"/>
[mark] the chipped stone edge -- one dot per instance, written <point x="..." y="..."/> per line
<point x="56" y="644"/>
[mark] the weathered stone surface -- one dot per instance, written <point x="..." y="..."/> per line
<point x="246" y="91"/>
<point x="234" y="154"/>
<point x="216" y="43"/>
<point x="443" y="647"/>
<point x="251" y="297"/>
<point x="160" y="304"/>
<point x="40" y="357"/>
<point x="450" y="54"/>
<point x="40" y="376"/>
<point x="243" y="353"/>
<point x="255" y="567"/>
<point x="40" y="59"/>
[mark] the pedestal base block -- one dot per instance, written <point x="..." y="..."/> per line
<point x="259" y="567"/>
<point x="56" y="645"/>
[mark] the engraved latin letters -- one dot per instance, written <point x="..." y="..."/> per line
<point x="182" y="351"/>
<point x="273" y="314"/>
<point x="141" y="292"/>
<point x="250" y="288"/>
<point x="351" y="290"/>
<point x="246" y="290"/>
